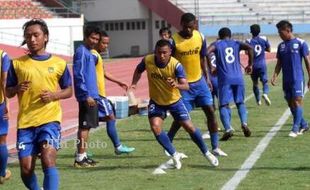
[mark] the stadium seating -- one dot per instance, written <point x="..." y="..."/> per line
<point x="229" y="12"/>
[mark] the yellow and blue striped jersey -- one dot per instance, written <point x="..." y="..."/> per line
<point x="100" y="73"/>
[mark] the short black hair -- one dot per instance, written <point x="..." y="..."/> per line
<point x="285" y="24"/>
<point x="187" y="17"/>
<point x="224" y="32"/>
<point x="89" y="29"/>
<point x="255" y="29"/>
<point x="165" y="29"/>
<point x="36" y="21"/>
<point x="162" y="43"/>
<point x="103" y="33"/>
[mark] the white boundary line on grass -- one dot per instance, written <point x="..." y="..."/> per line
<point x="256" y="154"/>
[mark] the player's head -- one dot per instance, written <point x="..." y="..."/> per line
<point x="36" y="35"/>
<point x="163" y="51"/>
<point x="255" y="29"/>
<point x="103" y="42"/>
<point x="188" y="23"/>
<point x="285" y="29"/>
<point x="165" y="33"/>
<point x="224" y="33"/>
<point x="91" y="36"/>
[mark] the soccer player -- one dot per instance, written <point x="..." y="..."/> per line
<point x="4" y="124"/>
<point x="230" y="79"/>
<point x="260" y="44"/>
<point x="86" y="93"/>
<point x="39" y="80"/>
<point x="289" y="58"/>
<point x="105" y="107"/>
<point x="166" y="77"/>
<point x="189" y="47"/>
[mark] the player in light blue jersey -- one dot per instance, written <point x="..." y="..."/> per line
<point x="230" y="79"/>
<point x="260" y="44"/>
<point x="290" y="54"/>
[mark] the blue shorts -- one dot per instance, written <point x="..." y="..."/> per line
<point x="260" y="73"/>
<point x="29" y="139"/>
<point x="105" y="107"/>
<point x="4" y="124"/>
<point x="198" y="95"/>
<point x="177" y="110"/>
<point x="229" y="93"/>
<point x="293" y="90"/>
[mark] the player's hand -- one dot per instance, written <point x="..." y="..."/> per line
<point x="210" y="85"/>
<point x="274" y="80"/>
<point x="23" y="86"/>
<point x="172" y="82"/>
<point x="91" y="102"/>
<point x="132" y="87"/>
<point x="248" y="70"/>
<point x="47" y="96"/>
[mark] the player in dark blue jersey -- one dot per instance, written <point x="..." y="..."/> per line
<point x="230" y="78"/>
<point x="290" y="54"/>
<point x="260" y="44"/>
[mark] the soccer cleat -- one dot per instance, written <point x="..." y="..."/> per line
<point x="212" y="159"/>
<point x="176" y="158"/>
<point x="85" y="163"/>
<point x="293" y="134"/>
<point x="227" y="135"/>
<point x="246" y="130"/>
<point x="206" y="135"/>
<point x="6" y="177"/>
<point x="122" y="149"/>
<point x="267" y="100"/>
<point x="219" y="152"/>
<point x="303" y="130"/>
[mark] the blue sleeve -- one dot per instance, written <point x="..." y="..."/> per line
<point x="95" y="58"/>
<point x="11" y="78"/>
<point x="203" y="51"/>
<point x="179" y="71"/>
<point x="5" y="62"/>
<point x="304" y="49"/>
<point x="79" y="65"/>
<point x="65" y="80"/>
<point x="141" y="66"/>
<point x="267" y="44"/>
<point x="278" y="52"/>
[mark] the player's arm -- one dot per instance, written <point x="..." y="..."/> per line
<point x="268" y="48"/>
<point x="276" y="72"/>
<point x="5" y="67"/>
<point x="250" y="53"/>
<point x="305" y="53"/>
<point x="137" y="74"/>
<point x="181" y="82"/>
<point x="111" y="78"/>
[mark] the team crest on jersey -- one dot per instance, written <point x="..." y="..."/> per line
<point x="282" y="46"/>
<point x="50" y="69"/>
<point x="295" y="46"/>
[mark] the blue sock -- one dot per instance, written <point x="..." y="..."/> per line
<point x="164" y="141"/>
<point x="173" y="130"/>
<point x="214" y="137"/>
<point x="297" y="118"/>
<point x="303" y="123"/>
<point x="265" y="87"/>
<point x="242" y="113"/>
<point x="3" y="159"/>
<point x="256" y="93"/>
<point x="197" y="138"/>
<point x="51" y="179"/>
<point x="112" y="133"/>
<point x="31" y="182"/>
<point x="225" y="117"/>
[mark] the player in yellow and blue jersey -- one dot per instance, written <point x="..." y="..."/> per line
<point x="189" y="47"/>
<point x="4" y="123"/>
<point x="105" y="107"/>
<point x="230" y="79"/>
<point x="260" y="44"/>
<point x="289" y="58"/>
<point x="86" y="93"/>
<point x="36" y="78"/>
<point x="166" y="78"/>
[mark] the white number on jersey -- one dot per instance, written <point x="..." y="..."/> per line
<point x="213" y="59"/>
<point x="258" y="50"/>
<point x="229" y="57"/>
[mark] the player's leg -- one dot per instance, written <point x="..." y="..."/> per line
<point x="27" y="152"/>
<point x="254" y="77"/>
<point x="4" y="173"/>
<point x="239" y="93"/>
<point x="264" y="80"/>
<point x="106" y="113"/>
<point x="88" y="118"/>
<point x="49" y="140"/>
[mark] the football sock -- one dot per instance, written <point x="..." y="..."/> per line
<point x="31" y="182"/>
<point x="214" y="137"/>
<point x="225" y="116"/>
<point x="242" y="113"/>
<point x="3" y="159"/>
<point x="112" y="133"/>
<point x="303" y="123"/>
<point x="256" y="93"/>
<point x="80" y="157"/>
<point x="265" y="87"/>
<point x="165" y="142"/>
<point x="51" y="178"/>
<point x="297" y="116"/>
<point x="197" y="138"/>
